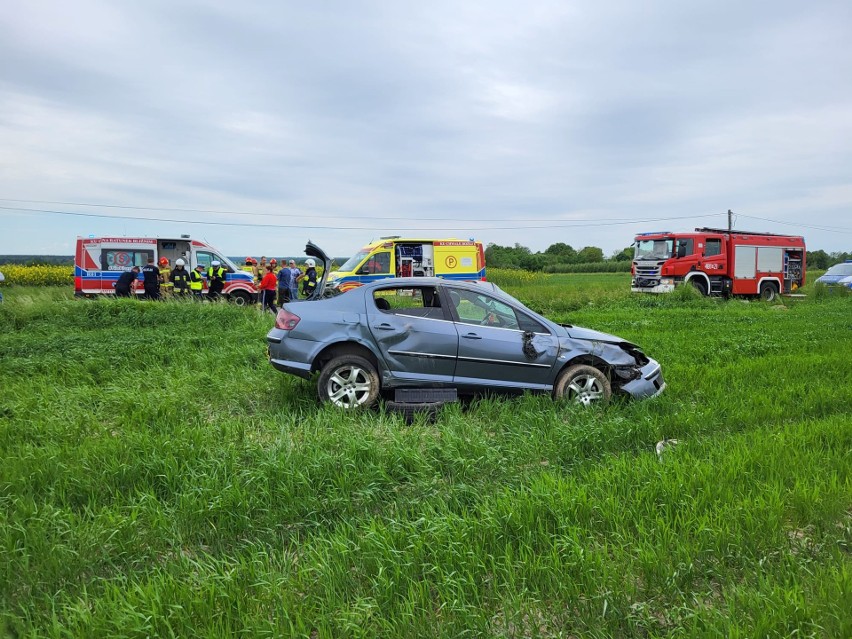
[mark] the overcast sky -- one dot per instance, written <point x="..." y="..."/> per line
<point x="511" y="122"/>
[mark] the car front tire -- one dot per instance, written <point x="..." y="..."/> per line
<point x="349" y="381"/>
<point x="582" y="384"/>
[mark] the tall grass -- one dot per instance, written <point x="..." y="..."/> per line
<point x="158" y="478"/>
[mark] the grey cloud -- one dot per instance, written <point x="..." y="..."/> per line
<point x="484" y="111"/>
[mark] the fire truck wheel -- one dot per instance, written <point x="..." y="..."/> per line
<point x="698" y="285"/>
<point x="582" y="384"/>
<point x="768" y="292"/>
<point x="240" y="298"/>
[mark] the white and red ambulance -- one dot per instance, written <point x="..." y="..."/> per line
<point x="99" y="261"/>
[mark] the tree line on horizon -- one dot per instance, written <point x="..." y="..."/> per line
<point x="563" y="258"/>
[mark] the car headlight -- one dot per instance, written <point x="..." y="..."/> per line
<point x="635" y="352"/>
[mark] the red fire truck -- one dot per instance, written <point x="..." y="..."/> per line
<point x="719" y="262"/>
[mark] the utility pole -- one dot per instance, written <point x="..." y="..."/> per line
<point x="730" y="213"/>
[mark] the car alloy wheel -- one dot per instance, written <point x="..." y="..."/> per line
<point x="583" y="384"/>
<point x="349" y="381"/>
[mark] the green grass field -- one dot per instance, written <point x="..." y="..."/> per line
<point x="159" y="478"/>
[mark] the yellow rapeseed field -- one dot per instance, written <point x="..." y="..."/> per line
<point x="515" y="277"/>
<point x="41" y="275"/>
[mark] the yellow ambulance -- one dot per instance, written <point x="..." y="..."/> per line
<point x="395" y="256"/>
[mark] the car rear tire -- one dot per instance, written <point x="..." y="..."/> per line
<point x="768" y="292"/>
<point x="582" y="384"/>
<point x="349" y="381"/>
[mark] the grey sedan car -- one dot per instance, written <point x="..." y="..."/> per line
<point x="433" y="333"/>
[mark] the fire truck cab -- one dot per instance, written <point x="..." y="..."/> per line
<point x="719" y="262"/>
<point x="397" y="257"/>
<point x="99" y="261"/>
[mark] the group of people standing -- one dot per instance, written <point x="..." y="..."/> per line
<point x="178" y="281"/>
<point x="285" y="280"/>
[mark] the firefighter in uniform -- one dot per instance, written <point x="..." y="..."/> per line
<point x="196" y="282"/>
<point x="180" y="278"/>
<point x="165" y="277"/>
<point x="309" y="279"/>
<point x="215" y="280"/>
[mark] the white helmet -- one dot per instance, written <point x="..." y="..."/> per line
<point x="217" y="263"/>
<point x="310" y="263"/>
<point x="179" y="262"/>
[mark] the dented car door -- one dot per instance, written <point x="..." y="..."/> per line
<point x="415" y="334"/>
<point x="500" y="345"/>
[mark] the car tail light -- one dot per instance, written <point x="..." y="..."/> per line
<point x="285" y="320"/>
<point x="78" y="283"/>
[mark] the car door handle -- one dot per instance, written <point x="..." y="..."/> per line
<point x="383" y="327"/>
<point x="472" y="336"/>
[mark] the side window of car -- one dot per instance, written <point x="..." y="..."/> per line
<point x="483" y="310"/>
<point x="528" y="324"/>
<point x="422" y="301"/>
<point x="712" y="247"/>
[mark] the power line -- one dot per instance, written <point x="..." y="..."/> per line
<point x="830" y="229"/>
<point x="298" y="215"/>
<point x="579" y="223"/>
<point x="352" y="228"/>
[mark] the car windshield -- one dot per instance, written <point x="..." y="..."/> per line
<point x="840" y="269"/>
<point x="354" y="261"/>
<point x="654" y="249"/>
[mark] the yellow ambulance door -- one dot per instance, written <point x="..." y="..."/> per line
<point x="454" y="258"/>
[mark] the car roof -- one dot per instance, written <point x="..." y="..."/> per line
<point x="397" y="282"/>
<point x="471" y="285"/>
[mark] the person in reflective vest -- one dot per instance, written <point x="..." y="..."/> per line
<point x="215" y="280"/>
<point x="166" y="287"/>
<point x="196" y="282"/>
<point x="180" y="278"/>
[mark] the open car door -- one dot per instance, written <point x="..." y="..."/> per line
<point x="312" y="250"/>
